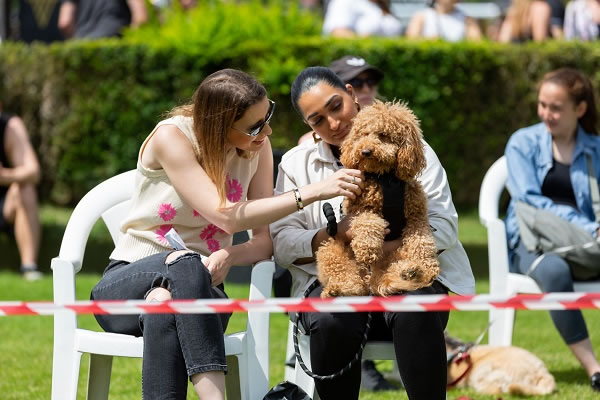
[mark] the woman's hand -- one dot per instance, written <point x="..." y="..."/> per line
<point x="345" y="233"/>
<point x="391" y="245"/>
<point x="345" y="182"/>
<point x="218" y="264"/>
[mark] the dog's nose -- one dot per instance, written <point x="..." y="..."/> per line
<point x="366" y="152"/>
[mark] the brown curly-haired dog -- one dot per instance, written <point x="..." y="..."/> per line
<point x="385" y="143"/>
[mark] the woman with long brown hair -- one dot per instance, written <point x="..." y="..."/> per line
<point x="549" y="169"/>
<point x="526" y="20"/>
<point x="206" y="172"/>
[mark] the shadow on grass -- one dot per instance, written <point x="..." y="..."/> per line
<point x="570" y="376"/>
<point x="478" y="256"/>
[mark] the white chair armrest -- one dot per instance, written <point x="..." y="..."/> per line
<point x="63" y="280"/>
<point x="497" y="256"/>
<point x="261" y="281"/>
<point x="491" y="189"/>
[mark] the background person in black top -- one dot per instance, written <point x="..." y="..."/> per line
<point x="19" y="173"/>
<point x="31" y="20"/>
<point x="547" y="169"/>
<point x="95" y="19"/>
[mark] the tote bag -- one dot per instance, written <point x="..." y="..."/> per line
<point x="545" y="232"/>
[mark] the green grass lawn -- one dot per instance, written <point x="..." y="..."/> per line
<point x="26" y="342"/>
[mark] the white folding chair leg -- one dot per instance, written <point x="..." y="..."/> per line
<point x="501" y="330"/>
<point x="233" y="381"/>
<point x="300" y="378"/>
<point x="99" y="376"/>
<point x="289" y="352"/>
<point x="65" y="376"/>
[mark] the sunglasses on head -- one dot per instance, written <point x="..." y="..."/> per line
<point x="358" y="82"/>
<point x="255" y="131"/>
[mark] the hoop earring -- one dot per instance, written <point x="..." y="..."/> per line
<point x="357" y="105"/>
<point x="316" y="137"/>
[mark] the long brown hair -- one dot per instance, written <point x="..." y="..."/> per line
<point x="221" y="99"/>
<point x="384" y="5"/>
<point x="579" y="88"/>
<point x="519" y="12"/>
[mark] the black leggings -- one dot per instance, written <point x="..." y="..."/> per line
<point x="418" y="339"/>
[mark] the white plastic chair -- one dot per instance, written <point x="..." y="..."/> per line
<point x="374" y="350"/>
<point x="110" y="201"/>
<point x="503" y="282"/>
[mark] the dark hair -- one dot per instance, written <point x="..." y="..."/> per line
<point x="221" y="99"/>
<point x="310" y="77"/>
<point x="580" y="89"/>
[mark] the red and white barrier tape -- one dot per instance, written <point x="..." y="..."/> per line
<point x="548" y="301"/>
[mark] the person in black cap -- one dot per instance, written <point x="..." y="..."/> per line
<point x="363" y="77"/>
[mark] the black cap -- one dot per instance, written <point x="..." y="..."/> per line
<point x="349" y="67"/>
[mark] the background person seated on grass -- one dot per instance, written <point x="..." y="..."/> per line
<point x="19" y="174"/>
<point x="547" y="169"/>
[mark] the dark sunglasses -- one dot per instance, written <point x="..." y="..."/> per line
<point x="255" y="131"/>
<point x="358" y="82"/>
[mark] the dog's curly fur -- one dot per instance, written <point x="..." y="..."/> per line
<point x="385" y="138"/>
<point x="500" y="369"/>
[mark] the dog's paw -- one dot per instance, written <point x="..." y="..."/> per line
<point x="327" y="292"/>
<point x="366" y="257"/>
<point x="357" y="288"/>
<point x="402" y="276"/>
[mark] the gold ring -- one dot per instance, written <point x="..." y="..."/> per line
<point x="354" y="180"/>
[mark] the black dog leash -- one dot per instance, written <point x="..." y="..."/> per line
<point x="332" y="231"/>
<point x="345" y="369"/>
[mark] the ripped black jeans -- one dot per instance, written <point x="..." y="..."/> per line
<point x="176" y="346"/>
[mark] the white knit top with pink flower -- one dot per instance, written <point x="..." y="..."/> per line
<point x="156" y="207"/>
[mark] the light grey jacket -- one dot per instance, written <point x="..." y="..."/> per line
<point x="312" y="162"/>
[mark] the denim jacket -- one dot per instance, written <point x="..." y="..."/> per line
<point x="529" y="158"/>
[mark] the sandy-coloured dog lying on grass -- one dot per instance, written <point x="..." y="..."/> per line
<point x="498" y="370"/>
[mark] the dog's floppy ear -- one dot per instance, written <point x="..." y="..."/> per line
<point x="346" y="153"/>
<point x="411" y="151"/>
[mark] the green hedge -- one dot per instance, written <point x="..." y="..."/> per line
<point x="89" y="105"/>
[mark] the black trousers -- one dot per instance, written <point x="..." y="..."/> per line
<point x="418" y="339"/>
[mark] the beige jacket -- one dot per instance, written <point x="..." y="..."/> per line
<point x="312" y="162"/>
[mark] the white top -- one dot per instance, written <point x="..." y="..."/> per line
<point x="450" y="27"/>
<point x="361" y="16"/>
<point x="156" y="207"/>
<point x="579" y="22"/>
<point x="292" y="235"/>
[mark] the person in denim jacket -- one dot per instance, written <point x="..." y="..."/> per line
<point x="547" y="169"/>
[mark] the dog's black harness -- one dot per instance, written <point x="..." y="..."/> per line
<point x="393" y="202"/>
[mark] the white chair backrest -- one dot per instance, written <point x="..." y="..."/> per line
<point x="109" y="200"/>
<point x="492" y="187"/>
<point x="114" y="216"/>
